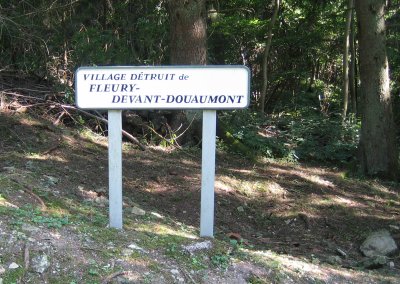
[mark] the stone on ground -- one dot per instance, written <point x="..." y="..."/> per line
<point x="379" y="243"/>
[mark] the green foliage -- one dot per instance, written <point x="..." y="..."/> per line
<point x="34" y="215"/>
<point x="51" y="39"/>
<point x="94" y="46"/>
<point x="304" y="135"/>
<point x="221" y="260"/>
<point x="320" y="138"/>
<point x="245" y="126"/>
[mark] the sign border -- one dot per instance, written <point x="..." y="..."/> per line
<point x="155" y="107"/>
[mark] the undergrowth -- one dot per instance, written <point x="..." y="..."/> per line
<point x="302" y="135"/>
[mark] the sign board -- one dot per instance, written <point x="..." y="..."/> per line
<point x="176" y="87"/>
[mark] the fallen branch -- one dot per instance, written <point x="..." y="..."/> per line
<point x="172" y="141"/>
<point x="126" y="134"/>
<point x="116" y="274"/>
<point x="48" y="151"/>
<point x="29" y="190"/>
<point x="26" y="256"/>
<point x="93" y="249"/>
<point x="64" y="106"/>
<point x="187" y="274"/>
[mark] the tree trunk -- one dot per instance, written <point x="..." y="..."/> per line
<point x="352" y="74"/>
<point x="188" y="46"/>
<point x="346" y="59"/>
<point x="266" y="56"/>
<point x="379" y="156"/>
<point x="188" y="32"/>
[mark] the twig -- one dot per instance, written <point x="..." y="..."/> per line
<point x="26" y="256"/>
<point x="156" y="133"/>
<point x="26" y="262"/>
<point x="5" y="92"/>
<point x="30" y="191"/>
<point x="93" y="249"/>
<point x="28" y="90"/>
<point x="172" y="141"/>
<point x="57" y="121"/>
<point x="186" y="273"/>
<point x="111" y="276"/>
<point x="126" y="134"/>
<point x="48" y="151"/>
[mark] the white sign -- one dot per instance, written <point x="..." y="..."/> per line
<point x="176" y="87"/>
<point x="179" y="87"/>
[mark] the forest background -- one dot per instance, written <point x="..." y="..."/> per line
<point x="304" y="176"/>
<point x="304" y="56"/>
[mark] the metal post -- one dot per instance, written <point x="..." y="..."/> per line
<point x="115" y="167"/>
<point x="208" y="173"/>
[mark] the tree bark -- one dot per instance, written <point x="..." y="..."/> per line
<point x="263" y="96"/>
<point x="352" y="74"/>
<point x="378" y="151"/>
<point x="188" y="32"/>
<point x="346" y="59"/>
<point x="188" y="46"/>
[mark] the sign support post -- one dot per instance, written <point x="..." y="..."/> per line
<point x="208" y="173"/>
<point x="115" y="168"/>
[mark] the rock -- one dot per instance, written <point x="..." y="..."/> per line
<point x="52" y="180"/>
<point x="126" y="252"/>
<point x="123" y="280"/>
<point x="101" y="190"/>
<point x="138" y="211"/>
<point x="379" y="243"/>
<point x="315" y="260"/>
<point x="375" y="262"/>
<point x="101" y="201"/>
<point x="155" y="214"/>
<point x="334" y="260"/>
<point x="198" y="246"/>
<point x="174" y="271"/>
<point x="9" y="169"/>
<point x="29" y="228"/>
<point x="240" y="209"/>
<point x="391" y="264"/>
<point x="40" y="263"/>
<point x="136" y="247"/>
<point x="394" y="227"/>
<point x="2" y="269"/>
<point x="13" y="265"/>
<point x="176" y="274"/>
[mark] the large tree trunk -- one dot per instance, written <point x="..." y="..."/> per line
<point x="188" y="32"/>
<point x="379" y="156"/>
<point x="188" y="46"/>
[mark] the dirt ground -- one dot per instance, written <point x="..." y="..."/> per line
<point x="274" y="222"/>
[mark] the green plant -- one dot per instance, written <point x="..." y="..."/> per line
<point x="221" y="260"/>
<point x="197" y="263"/>
<point x="52" y="221"/>
<point x="253" y="279"/>
<point x="322" y="138"/>
<point x="28" y="213"/>
<point x="13" y="275"/>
